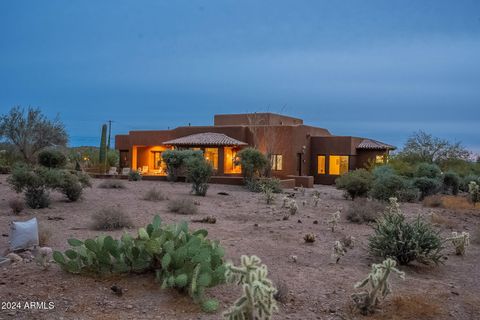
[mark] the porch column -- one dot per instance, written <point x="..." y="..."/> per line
<point x="221" y="157"/>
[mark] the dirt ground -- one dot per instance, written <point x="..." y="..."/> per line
<point x="317" y="288"/>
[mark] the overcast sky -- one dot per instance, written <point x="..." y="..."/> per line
<point x="379" y="69"/>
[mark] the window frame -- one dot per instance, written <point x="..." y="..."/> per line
<point x="274" y="161"/>
<point x="339" y="166"/>
<point x="324" y="164"/>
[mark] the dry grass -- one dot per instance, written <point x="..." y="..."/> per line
<point x="407" y="307"/>
<point x="437" y="219"/>
<point x="112" y="184"/>
<point x="16" y="205"/>
<point x="362" y="210"/>
<point x="44" y="235"/>
<point x="154" y="195"/>
<point x="182" y="206"/>
<point x="112" y="218"/>
<point x="448" y="202"/>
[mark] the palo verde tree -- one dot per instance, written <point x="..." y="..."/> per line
<point x="29" y="131"/>
<point x="423" y="147"/>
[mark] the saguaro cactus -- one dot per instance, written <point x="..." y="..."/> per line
<point x="102" y="157"/>
<point x="474" y="191"/>
<point x="257" y="301"/>
<point x="369" y="299"/>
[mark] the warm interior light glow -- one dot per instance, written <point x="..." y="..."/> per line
<point x="321" y="164"/>
<point x="230" y="160"/>
<point x="211" y="155"/>
<point x="338" y="165"/>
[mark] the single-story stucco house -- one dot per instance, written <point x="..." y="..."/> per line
<point x="295" y="149"/>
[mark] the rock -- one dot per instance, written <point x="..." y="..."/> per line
<point x="315" y="222"/>
<point x="293" y="258"/>
<point x="299" y="221"/>
<point x="14" y="258"/>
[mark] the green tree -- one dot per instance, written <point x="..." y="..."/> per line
<point x="29" y="131"/>
<point x="253" y="162"/>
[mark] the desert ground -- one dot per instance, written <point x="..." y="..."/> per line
<point x="317" y="287"/>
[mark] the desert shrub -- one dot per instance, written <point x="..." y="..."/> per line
<point x="428" y="170"/>
<point x="466" y="181"/>
<point x="253" y="162"/>
<point x="71" y="186"/>
<point x="154" y="195"/>
<point x="52" y="158"/>
<point x="5" y="169"/>
<point x="182" y="206"/>
<point x="282" y="291"/>
<point x="37" y="198"/>
<point x="112" y="218"/>
<point x="182" y="259"/>
<point x="391" y="185"/>
<point x="16" y="205"/>
<point x="394" y="237"/>
<point x="401" y="167"/>
<point x="268" y="194"/>
<point x="427" y="186"/>
<point x="451" y="182"/>
<point x="134" y="175"/>
<point x="362" y="210"/>
<point x="356" y="183"/>
<point x="112" y="184"/>
<point x="259" y="184"/>
<point x="176" y="160"/>
<point x="199" y="172"/>
<point x="257" y="300"/>
<point x="382" y="170"/>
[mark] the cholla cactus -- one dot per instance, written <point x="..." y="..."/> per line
<point x="316" y="199"/>
<point x="302" y="190"/>
<point x="257" y="301"/>
<point x="292" y="207"/>
<point x="369" y="299"/>
<point x="474" y="191"/>
<point x="338" y="251"/>
<point x="42" y="257"/>
<point x="334" y="219"/>
<point x="285" y="201"/>
<point x="460" y="242"/>
<point x="393" y="207"/>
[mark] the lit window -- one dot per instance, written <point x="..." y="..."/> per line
<point x="230" y="159"/>
<point x="380" y="159"/>
<point x="277" y="162"/>
<point x="211" y="155"/>
<point x="338" y="165"/>
<point x="321" y="164"/>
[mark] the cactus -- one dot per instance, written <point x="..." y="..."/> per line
<point x="474" y="191"/>
<point x="181" y="259"/>
<point x="309" y="238"/>
<point x="102" y="157"/>
<point x="292" y="207"/>
<point x="460" y="242"/>
<point x="316" y="198"/>
<point x="334" y="219"/>
<point x="42" y="257"/>
<point x="338" y="251"/>
<point x="285" y="202"/>
<point x="368" y="300"/>
<point x="268" y="194"/>
<point x="393" y="207"/>
<point x="304" y="203"/>
<point x="257" y="301"/>
<point x="302" y="190"/>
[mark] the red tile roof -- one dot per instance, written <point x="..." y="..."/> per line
<point x="374" y="145"/>
<point x="205" y="139"/>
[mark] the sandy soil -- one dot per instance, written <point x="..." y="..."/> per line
<point x="317" y="288"/>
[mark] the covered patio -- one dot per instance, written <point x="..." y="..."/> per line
<point x="218" y="149"/>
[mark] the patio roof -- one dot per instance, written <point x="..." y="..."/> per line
<point x="205" y="139"/>
<point x="374" y="145"/>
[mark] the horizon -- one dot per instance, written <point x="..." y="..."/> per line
<point x="377" y="70"/>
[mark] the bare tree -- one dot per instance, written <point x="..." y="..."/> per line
<point x="29" y="131"/>
<point x="423" y="147"/>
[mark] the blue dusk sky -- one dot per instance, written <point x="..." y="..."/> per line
<point x="378" y="69"/>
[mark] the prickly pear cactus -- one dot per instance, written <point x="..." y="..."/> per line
<point x="377" y="286"/>
<point x="334" y="219"/>
<point x="257" y="301"/>
<point x="460" y="242"/>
